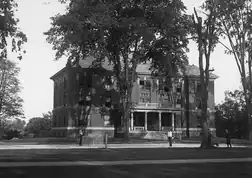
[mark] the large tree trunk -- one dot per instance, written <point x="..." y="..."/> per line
<point x="205" y="142"/>
<point x="249" y="96"/>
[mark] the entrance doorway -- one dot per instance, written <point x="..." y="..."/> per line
<point x="152" y="121"/>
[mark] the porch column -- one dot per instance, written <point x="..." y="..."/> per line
<point x="173" y="121"/>
<point x="159" y="121"/>
<point x="132" y="121"/>
<point x="145" y="121"/>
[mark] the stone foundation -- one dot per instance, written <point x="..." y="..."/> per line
<point x="92" y="135"/>
<point x="195" y="132"/>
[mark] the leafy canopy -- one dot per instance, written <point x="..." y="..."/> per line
<point x="10" y="30"/>
<point x="135" y="30"/>
<point x="11" y="104"/>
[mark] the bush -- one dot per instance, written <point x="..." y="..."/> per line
<point x="10" y="134"/>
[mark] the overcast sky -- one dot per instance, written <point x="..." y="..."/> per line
<point x="38" y="64"/>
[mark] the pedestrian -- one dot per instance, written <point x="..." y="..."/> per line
<point x="169" y="134"/>
<point x="209" y="137"/>
<point x="228" y="138"/>
<point x="81" y="137"/>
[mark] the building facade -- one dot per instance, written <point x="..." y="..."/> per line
<point x="156" y="107"/>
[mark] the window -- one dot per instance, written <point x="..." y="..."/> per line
<point x="145" y="97"/>
<point x="179" y="101"/>
<point x="65" y="99"/>
<point x="178" y="89"/>
<point x="58" y="123"/>
<point x="147" y="85"/>
<point x="198" y="87"/>
<point x="65" y="82"/>
<point x="108" y="101"/>
<point x="161" y="85"/>
<point x="64" y="120"/>
<point x="82" y="80"/>
<point x="77" y="76"/>
<point x="54" y="121"/>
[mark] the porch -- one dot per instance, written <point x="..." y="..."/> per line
<point x="141" y="121"/>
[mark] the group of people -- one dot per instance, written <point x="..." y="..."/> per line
<point x="227" y="136"/>
<point x="169" y="135"/>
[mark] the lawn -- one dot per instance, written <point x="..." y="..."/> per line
<point x="122" y="154"/>
<point x="218" y="170"/>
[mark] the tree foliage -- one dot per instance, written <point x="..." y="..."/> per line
<point x="231" y="114"/>
<point x="9" y="29"/>
<point x="10" y="102"/>
<point x="12" y="127"/>
<point x="235" y="18"/>
<point x="37" y="124"/>
<point x="233" y="106"/>
<point x="126" y="33"/>
<point x="15" y="124"/>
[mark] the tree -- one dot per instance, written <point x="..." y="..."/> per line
<point x="126" y="33"/>
<point x="13" y="128"/>
<point x="48" y="115"/>
<point x="235" y="18"/>
<point x="37" y="124"/>
<point x="205" y="33"/>
<point x="9" y="29"/>
<point x="10" y="102"/>
<point x="233" y="105"/>
<point x="232" y="112"/>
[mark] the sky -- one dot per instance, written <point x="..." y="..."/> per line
<point x="38" y="64"/>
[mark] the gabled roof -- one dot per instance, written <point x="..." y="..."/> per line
<point x="191" y="70"/>
<point x="58" y="73"/>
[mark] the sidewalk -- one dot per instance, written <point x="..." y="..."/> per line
<point x="124" y="162"/>
<point x="111" y="146"/>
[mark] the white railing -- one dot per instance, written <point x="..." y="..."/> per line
<point x="165" y="128"/>
<point x="138" y="128"/>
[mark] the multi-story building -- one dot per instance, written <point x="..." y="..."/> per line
<point x="157" y="107"/>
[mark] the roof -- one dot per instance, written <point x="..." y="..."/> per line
<point x="194" y="71"/>
<point x="58" y="73"/>
<point x="191" y="70"/>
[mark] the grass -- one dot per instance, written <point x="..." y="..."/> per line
<point x="218" y="170"/>
<point x="122" y="154"/>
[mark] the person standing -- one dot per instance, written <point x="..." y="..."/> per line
<point x="80" y="137"/>
<point x="169" y="134"/>
<point x="228" y="138"/>
<point x="209" y="137"/>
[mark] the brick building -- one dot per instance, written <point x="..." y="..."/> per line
<point x="156" y="107"/>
